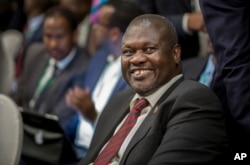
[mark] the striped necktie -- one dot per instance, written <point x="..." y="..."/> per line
<point x="112" y="148"/>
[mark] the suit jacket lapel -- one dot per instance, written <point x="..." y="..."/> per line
<point x="40" y="67"/>
<point x="120" y="85"/>
<point x="112" y="119"/>
<point x="141" y="132"/>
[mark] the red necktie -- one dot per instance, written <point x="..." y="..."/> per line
<point x="112" y="148"/>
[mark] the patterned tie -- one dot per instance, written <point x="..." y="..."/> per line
<point x="112" y="148"/>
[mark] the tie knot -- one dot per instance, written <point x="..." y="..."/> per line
<point x="56" y="70"/>
<point x="140" y="104"/>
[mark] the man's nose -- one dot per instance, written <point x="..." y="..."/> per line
<point x="138" y="58"/>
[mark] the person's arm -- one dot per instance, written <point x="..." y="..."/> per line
<point x="185" y="22"/>
<point x="147" y="5"/>
<point x="80" y="99"/>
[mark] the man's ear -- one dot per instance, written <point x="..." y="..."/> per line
<point x="114" y="34"/>
<point x="176" y="51"/>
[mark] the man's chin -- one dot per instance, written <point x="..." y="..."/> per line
<point x="142" y="89"/>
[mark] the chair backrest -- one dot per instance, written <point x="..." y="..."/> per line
<point x="10" y="44"/>
<point x="11" y="128"/>
<point x="7" y="70"/>
<point x="12" y="41"/>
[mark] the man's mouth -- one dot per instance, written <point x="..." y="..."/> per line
<point x="139" y="74"/>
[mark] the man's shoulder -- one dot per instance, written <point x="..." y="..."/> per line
<point x="81" y="59"/>
<point x="35" y="49"/>
<point x="190" y="85"/>
<point x="81" y="52"/>
<point x="35" y="54"/>
<point x="194" y="88"/>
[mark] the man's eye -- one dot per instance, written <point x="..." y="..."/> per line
<point x="127" y="52"/>
<point x="149" y="50"/>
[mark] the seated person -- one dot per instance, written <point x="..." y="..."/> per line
<point x="201" y="69"/>
<point x="33" y="32"/>
<point x="103" y="77"/>
<point x="48" y="68"/>
<point x="163" y="118"/>
<point x="82" y="9"/>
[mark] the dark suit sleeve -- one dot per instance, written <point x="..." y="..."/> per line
<point x="69" y="118"/>
<point x="174" y="11"/>
<point x="195" y="133"/>
<point x="147" y="5"/>
<point x="171" y="9"/>
<point x="228" y="25"/>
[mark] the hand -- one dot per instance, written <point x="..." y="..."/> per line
<point x="80" y="99"/>
<point x="196" y="22"/>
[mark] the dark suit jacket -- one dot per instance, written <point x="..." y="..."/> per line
<point x="192" y="68"/>
<point x="226" y="25"/>
<point x="95" y="68"/>
<point x="185" y="127"/>
<point x="36" y="37"/>
<point x="174" y="11"/>
<point x="51" y="99"/>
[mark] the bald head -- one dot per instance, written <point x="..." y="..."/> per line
<point x="158" y="23"/>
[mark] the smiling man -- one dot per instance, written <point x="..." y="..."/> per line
<point x="180" y="121"/>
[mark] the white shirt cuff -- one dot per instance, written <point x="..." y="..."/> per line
<point x="185" y="24"/>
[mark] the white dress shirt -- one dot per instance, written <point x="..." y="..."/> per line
<point x="101" y="94"/>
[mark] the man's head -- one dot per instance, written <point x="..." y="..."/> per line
<point x="114" y="19"/>
<point x="59" y="32"/>
<point x="150" y="53"/>
<point x="80" y="7"/>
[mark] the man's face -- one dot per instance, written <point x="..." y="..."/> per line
<point x="101" y="26"/>
<point x="147" y="63"/>
<point x="58" y="37"/>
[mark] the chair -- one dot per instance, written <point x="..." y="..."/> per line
<point x="6" y="72"/>
<point x="11" y="128"/>
<point x="10" y="44"/>
<point x="12" y="41"/>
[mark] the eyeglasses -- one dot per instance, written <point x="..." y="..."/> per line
<point x="102" y="24"/>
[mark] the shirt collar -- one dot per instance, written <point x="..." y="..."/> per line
<point x="210" y="65"/>
<point x="63" y="63"/>
<point x="154" y="97"/>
